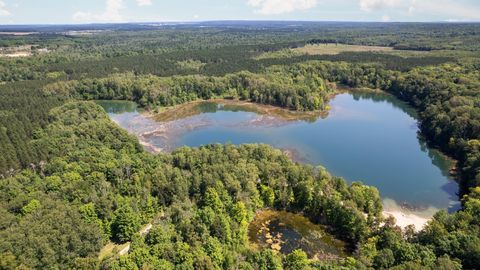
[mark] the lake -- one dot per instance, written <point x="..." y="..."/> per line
<point x="370" y="137"/>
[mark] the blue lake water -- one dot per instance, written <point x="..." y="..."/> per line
<point x="367" y="137"/>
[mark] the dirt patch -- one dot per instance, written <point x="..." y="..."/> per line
<point x="17" y="54"/>
<point x="404" y="219"/>
<point x="17" y="33"/>
<point x="322" y="49"/>
<point x="195" y="107"/>
<point x="406" y="215"/>
<point x="21" y="51"/>
<point x="333" y="49"/>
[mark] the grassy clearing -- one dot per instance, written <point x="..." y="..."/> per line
<point x="111" y="249"/>
<point x="334" y="49"/>
<point x="21" y="51"/>
<point x="190" y="65"/>
<point x="322" y="49"/>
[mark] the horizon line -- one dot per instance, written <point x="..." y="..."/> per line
<point x="231" y="20"/>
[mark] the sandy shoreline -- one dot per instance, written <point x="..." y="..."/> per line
<point x="189" y="109"/>
<point x="405" y="217"/>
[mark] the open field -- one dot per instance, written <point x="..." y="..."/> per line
<point x="16" y="33"/>
<point x="322" y="49"/>
<point x="335" y="49"/>
<point x="21" y="51"/>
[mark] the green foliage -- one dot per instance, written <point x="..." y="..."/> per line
<point x="214" y="250"/>
<point x="266" y="260"/>
<point x="72" y="180"/>
<point x="268" y="195"/>
<point x="100" y="175"/>
<point x="32" y="206"/>
<point x="445" y="263"/>
<point x="296" y="88"/>
<point x="297" y="260"/>
<point x="384" y="259"/>
<point x="23" y="110"/>
<point x="221" y="49"/>
<point x="56" y="235"/>
<point x="125" y="224"/>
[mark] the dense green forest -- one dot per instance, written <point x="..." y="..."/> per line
<point x="72" y="180"/>
<point x="223" y="48"/>
<point x="289" y="87"/>
<point x="23" y="111"/>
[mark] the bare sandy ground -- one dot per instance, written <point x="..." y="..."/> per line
<point x="16" y="54"/>
<point x="405" y="217"/>
<point x="17" y="33"/>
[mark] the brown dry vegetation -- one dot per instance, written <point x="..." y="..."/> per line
<point x="333" y="49"/>
<point x="191" y="109"/>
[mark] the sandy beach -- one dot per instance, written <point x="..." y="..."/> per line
<point x="405" y="217"/>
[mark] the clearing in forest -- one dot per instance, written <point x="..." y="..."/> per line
<point x="333" y="49"/>
<point x="323" y="49"/>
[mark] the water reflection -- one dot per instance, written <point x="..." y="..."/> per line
<point x="368" y="137"/>
<point x="285" y="232"/>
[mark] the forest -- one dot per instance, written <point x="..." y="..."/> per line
<point x="72" y="181"/>
<point x="287" y="87"/>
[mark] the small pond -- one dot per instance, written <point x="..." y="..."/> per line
<point x="285" y="232"/>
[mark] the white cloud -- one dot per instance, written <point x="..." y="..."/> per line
<point x="111" y="13"/>
<point x="273" y="7"/>
<point x="3" y="10"/>
<point x="142" y="3"/>
<point x="386" y="18"/>
<point x="411" y="9"/>
<point x="441" y="8"/>
<point x="452" y="9"/>
<point x="369" y="5"/>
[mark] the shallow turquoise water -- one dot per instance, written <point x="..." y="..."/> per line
<point x="370" y="138"/>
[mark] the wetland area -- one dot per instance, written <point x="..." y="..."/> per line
<point x="366" y="136"/>
<point x="285" y="232"/>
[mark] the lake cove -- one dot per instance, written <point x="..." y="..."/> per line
<point x="367" y="136"/>
<point x="284" y="232"/>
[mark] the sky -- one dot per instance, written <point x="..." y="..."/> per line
<point x="111" y="11"/>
